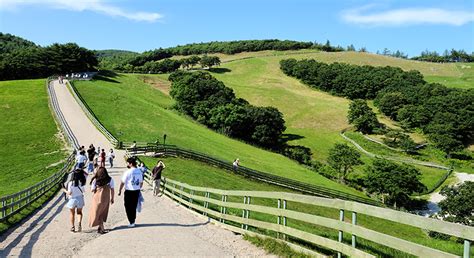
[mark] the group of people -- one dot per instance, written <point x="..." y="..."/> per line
<point x="102" y="187"/>
<point x="95" y="158"/>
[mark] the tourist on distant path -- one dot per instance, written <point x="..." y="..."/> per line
<point x="156" y="176"/>
<point x="60" y="79"/>
<point x="235" y="165"/>
<point x="91" y="156"/>
<point x="132" y="180"/>
<point x="111" y="157"/>
<point x="81" y="160"/>
<point x="102" y="187"/>
<point x="102" y="158"/>
<point x="75" y="194"/>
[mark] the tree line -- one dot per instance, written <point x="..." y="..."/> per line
<point x="27" y="61"/>
<point x="447" y="56"/>
<point x="446" y="115"/>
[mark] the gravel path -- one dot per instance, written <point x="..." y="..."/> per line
<point x="164" y="228"/>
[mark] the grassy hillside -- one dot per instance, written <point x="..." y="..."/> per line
<point x="464" y="80"/>
<point x="31" y="149"/>
<point x="133" y="110"/>
<point x="198" y="174"/>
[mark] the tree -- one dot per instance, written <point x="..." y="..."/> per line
<point x="209" y="61"/>
<point x="398" y="182"/>
<point x="407" y="144"/>
<point x="459" y="203"/>
<point x="362" y="116"/>
<point x="343" y="158"/>
<point x="390" y="103"/>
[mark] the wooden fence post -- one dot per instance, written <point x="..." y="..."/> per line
<point x="354" y="222"/>
<point x="244" y="212"/>
<point x="467" y="249"/>
<point x="341" y="218"/>
<point x="247" y="213"/>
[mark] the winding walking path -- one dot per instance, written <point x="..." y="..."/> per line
<point x="164" y="228"/>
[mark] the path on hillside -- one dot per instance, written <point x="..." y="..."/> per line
<point x="164" y="228"/>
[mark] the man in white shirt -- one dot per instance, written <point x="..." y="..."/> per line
<point x="132" y="180"/>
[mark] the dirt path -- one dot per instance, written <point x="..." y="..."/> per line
<point x="164" y="228"/>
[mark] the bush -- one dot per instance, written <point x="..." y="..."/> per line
<point x="299" y="153"/>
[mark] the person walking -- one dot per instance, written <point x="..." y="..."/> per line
<point x="75" y="194"/>
<point x="91" y="156"/>
<point x="156" y="176"/>
<point x="111" y="157"/>
<point x="132" y="180"/>
<point x="235" y="165"/>
<point x="81" y="160"/>
<point x="102" y="187"/>
<point x="102" y="158"/>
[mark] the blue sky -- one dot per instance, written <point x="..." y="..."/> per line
<point x="410" y="26"/>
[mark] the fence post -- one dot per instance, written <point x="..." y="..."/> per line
<point x="279" y="217"/>
<point x="341" y="218"/>
<point x="244" y="212"/>
<point x="192" y="194"/>
<point x="247" y="213"/>
<point x="223" y="208"/>
<point x="354" y="222"/>
<point x="467" y="248"/>
<point x="206" y="203"/>
<point x="284" y="218"/>
<point x="4" y="210"/>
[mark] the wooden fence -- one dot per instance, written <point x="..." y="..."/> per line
<point x="199" y="199"/>
<point x="172" y="150"/>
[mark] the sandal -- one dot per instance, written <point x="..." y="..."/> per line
<point x="102" y="231"/>
<point x="79" y="228"/>
<point x="73" y="229"/>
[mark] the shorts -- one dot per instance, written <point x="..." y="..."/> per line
<point x="75" y="202"/>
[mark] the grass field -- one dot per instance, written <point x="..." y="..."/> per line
<point x="465" y="80"/>
<point x="198" y="174"/>
<point x="133" y="110"/>
<point x="31" y="149"/>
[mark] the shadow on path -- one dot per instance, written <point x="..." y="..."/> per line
<point x="27" y="248"/>
<point x="162" y="225"/>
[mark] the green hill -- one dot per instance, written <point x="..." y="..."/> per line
<point x="31" y="146"/>
<point x="133" y="110"/>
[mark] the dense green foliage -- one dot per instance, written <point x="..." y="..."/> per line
<point x="447" y="56"/>
<point x="398" y="182"/>
<point x="10" y="43"/>
<point x="343" y="158"/>
<point x="445" y="114"/>
<point x="36" y="62"/>
<point x="112" y="59"/>
<point x="352" y="81"/>
<point x="30" y="149"/>
<point x="362" y="116"/>
<point x="459" y="203"/>
<point x="210" y="102"/>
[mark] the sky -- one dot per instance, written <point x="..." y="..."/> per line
<point x="410" y="26"/>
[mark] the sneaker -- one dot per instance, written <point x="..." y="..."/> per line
<point x="131" y="225"/>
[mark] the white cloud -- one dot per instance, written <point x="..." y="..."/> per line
<point x="98" y="6"/>
<point x="406" y="16"/>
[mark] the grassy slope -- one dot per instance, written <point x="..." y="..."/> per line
<point x="133" y="110"/>
<point x="27" y="135"/>
<point x="316" y="116"/>
<point x="464" y="80"/>
<point x="198" y="174"/>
